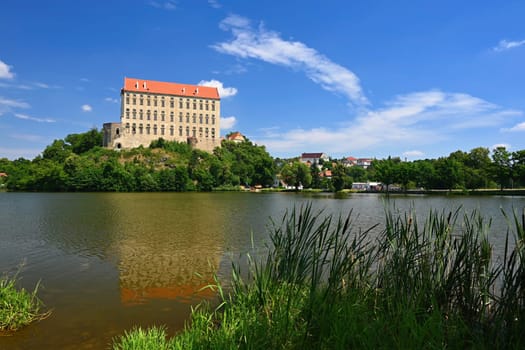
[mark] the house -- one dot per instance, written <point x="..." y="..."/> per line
<point x="349" y="161"/>
<point x="312" y="158"/>
<point x="236" y="137"/>
<point x="364" y="162"/>
<point x="3" y="175"/>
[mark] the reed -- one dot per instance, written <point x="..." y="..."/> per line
<point x="326" y="285"/>
<point x="18" y="307"/>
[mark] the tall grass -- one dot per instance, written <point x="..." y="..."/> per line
<point x="326" y="285"/>
<point x="18" y="307"/>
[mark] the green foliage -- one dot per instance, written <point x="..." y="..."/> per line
<point x="18" y="307"/>
<point x="326" y="285"/>
<point x="296" y="174"/>
<point x="153" y="338"/>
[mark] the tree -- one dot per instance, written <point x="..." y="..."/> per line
<point x="386" y="170"/>
<point x="296" y="174"/>
<point x="501" y="166"/>
<point x="339" y="177"/>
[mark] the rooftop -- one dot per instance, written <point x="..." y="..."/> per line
<point x="166" y="88"/>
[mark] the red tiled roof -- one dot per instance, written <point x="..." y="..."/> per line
<point x="160" y="87"/>
<point x="351" y="158"/>
<point x="311" y="155"/>
<point x="3" y="174"/>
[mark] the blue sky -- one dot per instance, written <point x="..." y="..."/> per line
<point x="414" y="79"/>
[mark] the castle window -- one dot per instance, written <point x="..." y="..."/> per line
<point x="162" y="115"/>
<point x="127" y="126"/>
<point x="200" y="133"/>
<point x="155" y="101"/>
<point x="149" y="101"/>
<point x="134" y="100"/>
<point x="162" y="104"/>
<point x="200" y="105"/>
<point x="154" y="129"/>
<point x="127" y="99"/>
<point x="162" y="130"/>
<point x="188" y="104"/>
<point x="171" y="117"/>
<point x="117" y="131"/>
<point x="206" y="131"/>
<point x="212" y="133"/>
<point x="207" y="119"/>
<point x="180" y="103"/>
<point x="155" y="115"/>
<point x="141" y="101"/>
<point x="187" y="117"/>
<point x="171" y="130"/>
<point x="171" y="103"/>
<point x="194" y="132"/>
<point x="213" y="119"/>
<point x="194" y="118"/>
<point x="180" y="117"/>
<point x="194" y="104"/>
<point x="127" y="113"/>
<point x="134" y="114"/>
<point x="207" y="106"/>
<point x="148" y="115"/>
<point x="133" y="129"/>
<point x="213" y="105"/>
<point x="200" y="118"/>
<point x="141" y="114"/>
<point x="180" y="130"/>
<point x="141" y="129"/>
<point x="147" y="129"/>
<point x="188" y="131"/>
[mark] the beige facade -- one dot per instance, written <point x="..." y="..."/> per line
<point x="175" y="112"/>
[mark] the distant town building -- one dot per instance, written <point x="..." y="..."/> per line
<point x="311" y="158"/>
<point x="175" y="112"/>
<point x="236" y="137"/>
<point x="362" y="162"/>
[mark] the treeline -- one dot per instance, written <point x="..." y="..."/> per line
<point x="476" y="169"/>
<point x="78" y="163"/>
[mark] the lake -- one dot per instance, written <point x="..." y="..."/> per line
<point x="109" y="261"/>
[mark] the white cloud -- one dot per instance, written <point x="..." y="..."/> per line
<point x="268" y="46"/>
<point x="505" y="45"/>
<point x="413" y="154"/>
<point x="223" y="91"/>
<point x="408" y="121"/>
<point x="166" y="5"/>
<point x="110" y="99"/>
<point x="215" y="4"/>
<point x="228" y="122"/>
<point x="87" y="108"/>
<point x="516" y="128"/>
<point x="5" y="71"/>
<point x="12" y="103"/>
<point x="15" y="153"/>
<point x="40" y="120"/>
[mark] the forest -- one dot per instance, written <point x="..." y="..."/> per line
<point x="79" y="163"/>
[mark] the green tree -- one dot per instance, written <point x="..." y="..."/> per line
<point x="501" y="166"/>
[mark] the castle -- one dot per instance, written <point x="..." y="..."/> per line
<point x="175" y="112"/>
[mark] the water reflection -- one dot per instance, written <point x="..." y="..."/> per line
<point x="110" y="261"/>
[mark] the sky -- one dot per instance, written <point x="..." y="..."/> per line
<point x="410" y="78"/>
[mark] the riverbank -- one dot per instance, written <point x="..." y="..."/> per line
<point x="325" y="285"/>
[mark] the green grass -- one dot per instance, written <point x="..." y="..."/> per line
<point x="326" y="285"/>
<point x="18" y="307"/>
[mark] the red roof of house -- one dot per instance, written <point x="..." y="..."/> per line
<point x="236" y="135"/>
<point x="311" y="155"/>
<point x="160" y="87"/>
<point x="3" y="174"/>
<point x="351" y="158"/>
